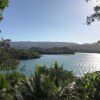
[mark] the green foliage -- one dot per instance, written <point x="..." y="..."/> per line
<point x="55" y="50"/>
<point x="7" y="62"/>
<point x="89" y="85"/>
<point x="23" y="54"/>
<point x="9" y="86"/>
<point x="50" y="83"/>
<point x="3" y="82"/>
<point x="53" y="83"/>
<point x="3" y="5"/>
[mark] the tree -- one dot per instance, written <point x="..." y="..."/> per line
<point x="7" y="62"/>
<point x="95" y="15"/>
<point x="3" y="5"/>
<point x="89" y="86"/>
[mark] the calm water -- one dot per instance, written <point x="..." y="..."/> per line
<point x="80" y="63"/>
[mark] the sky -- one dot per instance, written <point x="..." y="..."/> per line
<point x="49" y="20"/>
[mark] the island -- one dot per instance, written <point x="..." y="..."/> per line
<point x="24" y="54"/>
<point x="54" y="50"/>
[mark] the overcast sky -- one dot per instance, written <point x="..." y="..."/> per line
<point x="49" y="20"/>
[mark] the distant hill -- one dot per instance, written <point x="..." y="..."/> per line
<point x="92" y="47"/>
<point x="27" y="45"/>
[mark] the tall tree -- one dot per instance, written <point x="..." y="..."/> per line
<point x="7" y="62"/>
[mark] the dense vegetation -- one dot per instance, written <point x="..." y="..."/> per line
<point x="55" y="50"/>
<point x="52" y="83"/>
<point x="7" y="62"/>
<point x="87" y="47"/>
<point x="47" y="83"/>
<point x="23" y="54"/>
<point x="16" y="53"/>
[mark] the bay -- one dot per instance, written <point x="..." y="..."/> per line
<point x="79" y="63"/>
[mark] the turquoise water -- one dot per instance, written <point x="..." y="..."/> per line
<point x="80" y="63"/>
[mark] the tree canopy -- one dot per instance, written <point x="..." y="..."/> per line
<point x="95" y="15"/>
<point x="7" y="62"/>
<point x="3" y="5"/>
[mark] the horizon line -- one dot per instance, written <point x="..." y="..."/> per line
<point x="55" y="41"/>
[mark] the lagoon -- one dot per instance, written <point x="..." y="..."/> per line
<point x="79" y="63"/>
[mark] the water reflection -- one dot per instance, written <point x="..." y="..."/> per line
<point x="80" y="63"/>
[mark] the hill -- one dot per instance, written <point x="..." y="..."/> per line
<point x="92" y="47"/>
<point x="27" y="44"/>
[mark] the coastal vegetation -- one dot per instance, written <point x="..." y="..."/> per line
<point x="46" y="83"/>
<point x="55" y="50"/>
<point x="24" y="54"/>
<point x="72" y="47"/>
<point x="49" y="83"/>
<point x="7" y="62"/>
<point x="16" y="53"/>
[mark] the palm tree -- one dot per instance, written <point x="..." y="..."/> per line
<point x="9" y="86"/>
<point x="47" y="83"/>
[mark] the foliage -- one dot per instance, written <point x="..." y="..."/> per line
<point x="55" y="50"/>
<point x="3" y="5"/>
<point x="9" y="56"/>
<point x="23" y="54"/>
<point x="46" y="84"/>
<point x="7" y="62"/>
<point x="94" y="16"/>
<point x="90" y="86"/>
<point x="50" y="83"/>
<point x="9" y="84"/>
